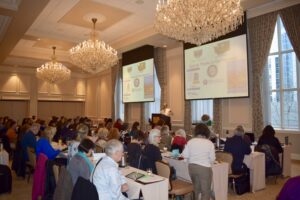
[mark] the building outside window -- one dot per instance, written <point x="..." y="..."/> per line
<point x="282" y="82"/>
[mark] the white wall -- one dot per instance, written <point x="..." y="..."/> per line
<point x="21" y="90"/>
<point x="98" y="99"/>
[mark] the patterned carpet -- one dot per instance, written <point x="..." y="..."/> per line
<point x="22" y="189"/>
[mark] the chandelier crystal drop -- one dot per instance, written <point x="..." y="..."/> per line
<point x="53" y="72"/>
<point x="93" y="55"/>
<point x="197" y="21"/>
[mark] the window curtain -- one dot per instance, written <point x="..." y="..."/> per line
<point x="161" y="71"/>
<point x="291" y="19"/>
<point x="115" y="73"/>
<point x="261" y="31"/>
<point x="217" y="114"/>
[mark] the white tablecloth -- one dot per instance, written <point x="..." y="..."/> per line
<point x="286" y="163"/>
<point x="256" y="163"/>
<point x="220" y="175"/>
<point x="3" y="157"/>
<point x="151" y="191"/>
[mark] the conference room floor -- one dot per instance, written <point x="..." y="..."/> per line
<point x="22" y="190"/>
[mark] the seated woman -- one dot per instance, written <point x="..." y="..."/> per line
<point x="179" y="141"/>
<point x="135" y="151"/>
<point x="113" y="134"/>
<point x="151" y="150"/>
<point x="102" y="137"/>
<point x="134" y="129"/>
<point x="268" y="137"/>
<point x="80" y="164"/>
<point x="166" y="138"/>
<point x="238" y="147"/>
<point x="43" y="145"/>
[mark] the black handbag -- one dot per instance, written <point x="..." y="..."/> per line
<point x="242" y="184"/>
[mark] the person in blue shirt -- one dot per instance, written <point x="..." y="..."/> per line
<point x="29" y="139"/>
<point x="43" y="145"/>
<point x="238" y="147"/>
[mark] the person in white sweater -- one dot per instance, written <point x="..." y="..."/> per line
<point x="200" y="154"/>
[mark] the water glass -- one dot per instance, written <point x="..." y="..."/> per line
<point x="149" y="171"/>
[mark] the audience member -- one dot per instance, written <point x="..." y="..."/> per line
<point x="238" y="147"/>
<point x="134" y="128"/>
<point x="113" y="134"/>
<point x="118" y="124"/>
<point x="179" y="140"/>
<point x="43" y="145"/>
<point x="152" y="151"/>
<point x="134" y="150"/>
<point x="268" y="137"/>
<point x="102" y="137"/>
<point x="11" y="131"/>
<point x="107" y="178"/>
<point x="29" y="139"/>
<point x="200" y="153"/>
<point x="80" y="164"/>
<point x="166" y="138"/>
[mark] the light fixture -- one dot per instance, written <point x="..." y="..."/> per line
<point x="197" y="21"/>
<point x="92" y="55"/>
<point x="53" y="72"/>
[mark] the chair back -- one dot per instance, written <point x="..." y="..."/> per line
<point x="31" y="156"/>
<point x="163" y="169"/>
<point x="56" y="172"/>
<point x="225" y="157"/>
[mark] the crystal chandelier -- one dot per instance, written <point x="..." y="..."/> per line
<point x="197" y="21"/>
<point x="93" y="55"/>
<point x="53" y="72"/>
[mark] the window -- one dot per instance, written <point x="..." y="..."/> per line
<point x="282" y="96"/>
<point x="153" y="107"/>
<point x="119" y="105"/>
<point x="200" y="107"/>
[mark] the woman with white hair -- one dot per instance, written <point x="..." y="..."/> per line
<point x="179" y="141"/>
<point x="102" y="137"/>
<point x="166" y="138"/>
<point x="151" y="150"/>
<point x="107" y="178"/>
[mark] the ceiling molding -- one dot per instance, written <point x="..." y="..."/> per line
<point x="270" y="7"/>
<point x="27" y="13"/>
<point x="10" y="4"/>
<point x="4" y="22"/>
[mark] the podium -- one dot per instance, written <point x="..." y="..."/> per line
<point x="160" y="119"/>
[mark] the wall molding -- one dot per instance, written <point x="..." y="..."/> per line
<point x="295" y="156"/>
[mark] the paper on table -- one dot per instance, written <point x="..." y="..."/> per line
<point x="150" y="179"/>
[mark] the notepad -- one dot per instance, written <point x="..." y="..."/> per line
<point x="135" y="175"/>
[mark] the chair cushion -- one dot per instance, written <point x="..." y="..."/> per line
<point x="180" y="187"/>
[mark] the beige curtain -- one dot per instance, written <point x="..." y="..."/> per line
<point x="187" y="117"/>
<point x="114" y="80"/>
<point x="161" y="71"/>
<point x="291" y="19"/>
<point x="217" y="116"/>
<point x="261" y="31"/>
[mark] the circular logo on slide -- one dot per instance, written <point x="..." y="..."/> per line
<point x="212" y="71"/>
<point x="136" y="82"/>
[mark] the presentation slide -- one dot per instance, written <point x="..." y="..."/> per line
<point x="217" y="70"/>
<point x="138" y="82"/>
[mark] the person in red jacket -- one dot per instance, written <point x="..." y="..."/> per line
<point x="179" y="140"/>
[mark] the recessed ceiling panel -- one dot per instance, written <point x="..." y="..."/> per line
<point x="83" y="11"/>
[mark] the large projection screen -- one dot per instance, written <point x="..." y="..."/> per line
<point x="217" y="70"/>
<point x="138" y="82"/>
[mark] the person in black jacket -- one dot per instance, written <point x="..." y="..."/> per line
<point x="268" y="137"/>
<point x="135" y="150"/>
<point x="152" y="151"/>
<point x="238" y="147"/>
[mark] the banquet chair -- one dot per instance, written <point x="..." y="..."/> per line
<point x="228" y="158"/>
<point x="31" y="163"/>
<point x="176" y="187"/>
